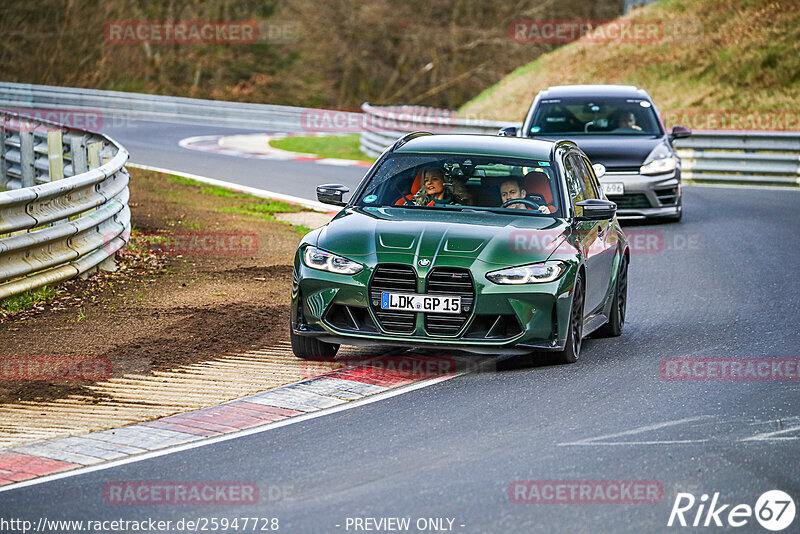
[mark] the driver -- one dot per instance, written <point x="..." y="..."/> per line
<point x="627" y="121"/>
<point x="512" y="189"/>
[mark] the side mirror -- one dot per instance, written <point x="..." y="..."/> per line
<point x="332" y="194"/>
<point x="596" y="210"/>
<point x="508" y="131"/>
<point x="679" y="132"/>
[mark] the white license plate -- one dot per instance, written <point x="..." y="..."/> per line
<point x="421" y="303"/>
<point x="613" y="188"/>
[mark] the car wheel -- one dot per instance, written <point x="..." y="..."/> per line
<point x="616" y="320"/>
<point x="572" y="348"/>
<point x="311" y="348"/>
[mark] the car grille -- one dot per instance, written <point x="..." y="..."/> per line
<point x="626" y="202"/>
<point x="450" y="281"/>
<point x="625" y="169"/>
<point x="669" y="196"/>
<point x="395" y="278"/>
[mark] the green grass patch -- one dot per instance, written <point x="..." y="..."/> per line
<point x="28" y="299"/>
<point x="266" y="215"/>
<point x="330" y="146"/>
<point x="222" y="192"/>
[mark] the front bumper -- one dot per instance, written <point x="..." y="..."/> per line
<point x="646" y="196"/>
<point x="503" y="318"/>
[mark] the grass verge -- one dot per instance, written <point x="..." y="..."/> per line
<point x="329" y="146"/>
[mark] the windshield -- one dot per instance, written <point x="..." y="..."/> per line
<point x="595" y="116"/>
<point x="447" y="181"/>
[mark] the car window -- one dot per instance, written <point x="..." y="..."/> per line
<point x="582" y="168"/>
<point x="574" y="184"/>
<point x="595" y="116"/>
<point x="450" y="180"/>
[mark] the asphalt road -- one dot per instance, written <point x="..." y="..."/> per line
<point x="156" y="144"/>
<point x="723" y="283"/>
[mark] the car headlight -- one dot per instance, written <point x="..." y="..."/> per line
<point x="660" y="165"/>
<point x="535" y="273"/>
<point x="322" y="260"/>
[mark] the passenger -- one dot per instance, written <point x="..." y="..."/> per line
<point x="512" y="189"/>
<point x="437" y="190"/>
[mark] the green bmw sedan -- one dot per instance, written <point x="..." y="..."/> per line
<point x="471" y="242"/>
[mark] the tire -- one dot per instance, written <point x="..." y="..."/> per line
<point x="311" y="348"/>
<point x="616" y="320"/>
<point x="572" y="348"/>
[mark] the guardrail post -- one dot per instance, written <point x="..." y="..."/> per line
<point x="26" y="153"/>
<point x="77" y="147"/>
<point x="55" y="155"/>
<point x="3" y="164"/>
<point x="93" y="151"/>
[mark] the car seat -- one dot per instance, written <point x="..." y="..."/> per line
<point x="538" y="183"/>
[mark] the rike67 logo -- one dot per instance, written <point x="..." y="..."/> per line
<point x="774" y="510"/>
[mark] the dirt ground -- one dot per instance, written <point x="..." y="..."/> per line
<point x="164" y="309"/>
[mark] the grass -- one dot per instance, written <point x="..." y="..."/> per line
<point x="28" y="299"/>
<point x="248" y="204"/>
<point x="254" y="206"/>
<point x="329" y="146"/>
<point x="710" y="55"/>
<point x="262" y="212"/>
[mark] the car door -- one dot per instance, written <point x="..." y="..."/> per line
<point x="606" y="238"/>
<point x="587" y="238"/>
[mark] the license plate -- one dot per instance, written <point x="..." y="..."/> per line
<point x="614" y="188"/>
<point x="421" y="303"/>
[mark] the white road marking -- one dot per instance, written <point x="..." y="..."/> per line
<point x="639" y="430"/>
<point x="262" y="193"/>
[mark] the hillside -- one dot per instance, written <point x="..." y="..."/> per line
<point x="735" y="55"/>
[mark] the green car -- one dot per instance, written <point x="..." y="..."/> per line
<point x="471" y="242"/>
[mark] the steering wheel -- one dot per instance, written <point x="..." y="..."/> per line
<point x="529" y="203"/>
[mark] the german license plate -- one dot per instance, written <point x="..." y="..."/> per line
<point x="421" y="303"/>
<point x="613" y="188"/>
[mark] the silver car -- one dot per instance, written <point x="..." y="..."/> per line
<point x="619" y="128"/>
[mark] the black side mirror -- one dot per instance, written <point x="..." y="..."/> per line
<point x="508" y="131"/>
<point x="595" y="209"/>
<point x="332" y="194"/>
<point x="679" y="132"/>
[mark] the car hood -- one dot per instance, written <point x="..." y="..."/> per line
<point x="375" y="235"/>
<point x="616" y="151"/>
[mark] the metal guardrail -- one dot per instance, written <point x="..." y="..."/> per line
<point x="384" y="125"/>
<point x="714" y="156"/>
<point x="109" y="105"/>
<point x="757" y="157"/>
<point x="65" y="211"/>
